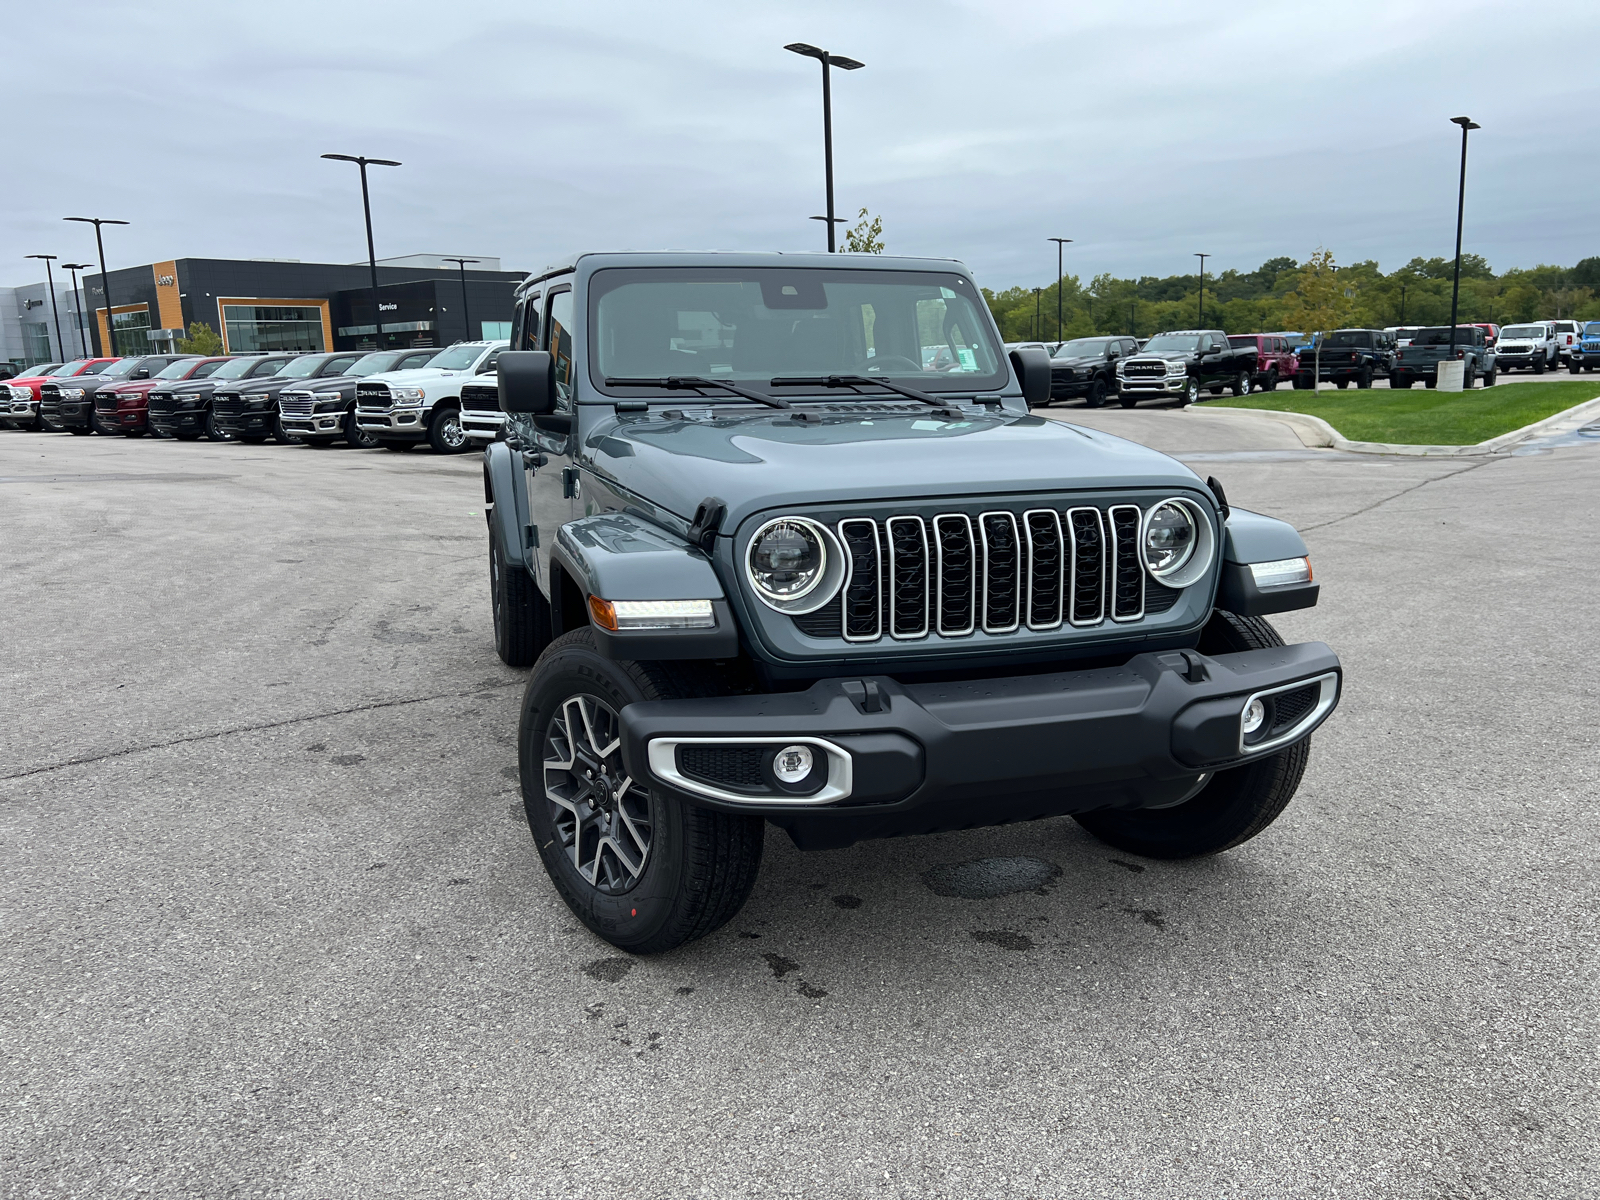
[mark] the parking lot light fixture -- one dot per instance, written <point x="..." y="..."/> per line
<point x="51" y="284"/>
<point x="466" y="313"/>
<point x="366" y="212"/>
<point x="1060" y="245"/>
<point x="105" y="285"/>
<point x="828" y="61"/>
<point x="1201" y="319"/>
<point x="1467" y="125"/>
<point x="77" y="300"/>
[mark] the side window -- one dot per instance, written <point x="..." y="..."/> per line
<point x="338" y="366"/>
<point x="558" y="340"/>
<point x="525" y="331"/>
<point x="269" y="366"/>
<point x="415" y="360"/>
<point x="488" y="363"/>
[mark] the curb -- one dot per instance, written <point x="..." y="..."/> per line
<point x="1316" y="433"/>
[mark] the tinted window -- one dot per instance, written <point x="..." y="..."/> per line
<point x="559" y="327"/>
<point x="269" y="366"/>
<point x="338" y="366"/>
<point x="205" y="369"/>
<point x="528" y="324"/>
<point x="415" y="360"/>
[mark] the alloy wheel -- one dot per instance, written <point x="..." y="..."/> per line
<point x="600" y="816"/>
<point x="451" y="433"/>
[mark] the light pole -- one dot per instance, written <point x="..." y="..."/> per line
<point x="832" y="221"/>
<point x="1036" y="336"/>
<point x="1201" y="319"/>
<point x="1467" y="124"/>
<point x="77" y="300"/>
<point x="1060" y="245"/>
<point x="466" y="313"/>
<point x="844" y="64"/>
<point x="51" y="284"/>
<point x="366" y="211"/>
<point x="1402" y="303"/>
<point x="105" y="284"/>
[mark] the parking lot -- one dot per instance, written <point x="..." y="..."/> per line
<point x="275" y="925"/>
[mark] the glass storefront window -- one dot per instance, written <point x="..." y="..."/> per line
<point x="496" y="331"/>
<point x="36" y="342"/>
<point x="255" y="327"/>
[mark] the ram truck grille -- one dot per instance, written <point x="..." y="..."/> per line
<point x="295" y="404"/>
<point x="1145" y="370"/>
<point x="950" y="575"/>
<point x="480" y="400"/>
<point x="374" y="396"/>
<point x="227" y="404"/>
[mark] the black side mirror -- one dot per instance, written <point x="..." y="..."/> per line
<point x="527" y="381"/>
<point x="1033" y="373"/>
<point x="142" y="373"/>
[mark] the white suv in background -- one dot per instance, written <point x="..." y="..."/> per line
<point x="1527" y="347"/>
<point x="400" y="408"/>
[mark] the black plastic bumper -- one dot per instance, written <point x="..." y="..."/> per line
<point x="939" y="756"/>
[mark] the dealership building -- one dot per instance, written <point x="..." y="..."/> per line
<point x="260" y="304"/>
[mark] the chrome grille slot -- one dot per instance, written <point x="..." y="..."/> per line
<point x="908" y="577"/>
<point x="1088" y="566"/>
<point x="295" y="404"/>
<point x="1002" y="571"/>
<point x="957" y="594"/>
<point x="1045" y="567"/>
<point x="863" y="592"/>
<point x="1127" y="586"/>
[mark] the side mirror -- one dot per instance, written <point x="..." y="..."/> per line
<point x="1033" y="373"/>
<point x="142" y="373"/>
<point x="527" y="381"/>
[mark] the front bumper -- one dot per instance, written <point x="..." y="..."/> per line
<point x="924" y="757"/>
<point x="250" y="423"/>
<point x="20" y="410"/>
<point x="1162" y="384"/>
<point x="178" y="420"/>
<point x="75" y="414"/>
<point x="485" y="426"/>
<point x="395" y="424"/>
<point x="330" y="424"/>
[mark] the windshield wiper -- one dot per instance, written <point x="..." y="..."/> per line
<point x="695" y="383"/>
<point x="853" y="381"/>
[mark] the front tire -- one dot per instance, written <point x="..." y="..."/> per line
<point x="356" y="436"/>
<point x="1097" y="394"/>
<point x="1191" y="391"/>
<point x="1234" y="805"/>
<point x="642" y="870"/>
<point x="1573" y="368"/>
<point x="1489" y="376"/>
<point x="215" y="433"/>
<point x="1400" y="382"/>
<point x="1538" y="367"/>
<point x="445" y="434"/>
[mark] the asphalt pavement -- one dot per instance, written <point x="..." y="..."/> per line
<point x="274" y="925"/>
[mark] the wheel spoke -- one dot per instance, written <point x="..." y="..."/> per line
<point x="602" y="818"/>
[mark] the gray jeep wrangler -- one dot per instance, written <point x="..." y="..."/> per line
<point x="781" y="542"/>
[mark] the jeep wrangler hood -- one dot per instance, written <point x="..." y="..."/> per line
<point x="764" y="461"/>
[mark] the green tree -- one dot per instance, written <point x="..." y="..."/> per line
<point x="202" y="339"/>
<point x="1318" y="301"/>
<point x="865" y="237"/>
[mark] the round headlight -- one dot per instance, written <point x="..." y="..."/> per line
<point x="786" y="560"/>
<point x="1169" y="538"/>
<point x="794" y="564"/>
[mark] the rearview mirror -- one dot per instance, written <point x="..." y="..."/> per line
<point x="1033" y="373"/>
<point x="527" y="381"/>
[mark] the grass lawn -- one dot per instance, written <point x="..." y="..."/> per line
<point x="1425" y="416"/>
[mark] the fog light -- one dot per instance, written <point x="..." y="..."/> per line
<point x="792" y="764"/>
<point x="1255" y="714"/>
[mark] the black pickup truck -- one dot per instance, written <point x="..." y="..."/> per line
<point x="1182" y="362"/>
<point x="1087" y="367"/>
<point x="1347" y="356"/>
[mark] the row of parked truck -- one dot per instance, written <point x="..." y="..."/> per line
<point x="390" y="398"/>
<point x="1188" y="362"/>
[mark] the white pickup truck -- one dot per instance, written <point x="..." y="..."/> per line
<point x="400" y="408"/>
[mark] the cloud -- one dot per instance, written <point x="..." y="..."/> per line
<point x="1143" y="132"/>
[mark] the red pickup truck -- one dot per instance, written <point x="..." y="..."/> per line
<point x="125" y="407"/>
<point x="1275" y="360"/>
<point x="21" y="395"/>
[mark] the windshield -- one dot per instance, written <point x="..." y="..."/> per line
<point x="206" y="368"/>
<point x="1536" y="332"/>
<point x="1592" y="329"/>
<point x="43" y="370"/>
<point x="1084" y="348"/>
<point x="457" y="358"/>
<point x="759" y="323"/>
<point x="175" y="370"/>
<point x="303" y="368"/>
<point x="372" y="364"/>
<point x="1173" y="341"/>
<point x="234" y="368"/>
<point x="1349" y="337"/>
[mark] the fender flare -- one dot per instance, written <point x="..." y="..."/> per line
<point x="506" y="503"/>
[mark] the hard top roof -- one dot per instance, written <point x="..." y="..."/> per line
<point x="595" y="259"/>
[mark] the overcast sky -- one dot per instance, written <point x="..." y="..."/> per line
<point x="1144" y="132"/>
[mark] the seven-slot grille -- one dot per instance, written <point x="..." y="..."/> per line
<point x="955" y="573"/>
<point x="373" y="395"/>
<point x="1145" y="369"/>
